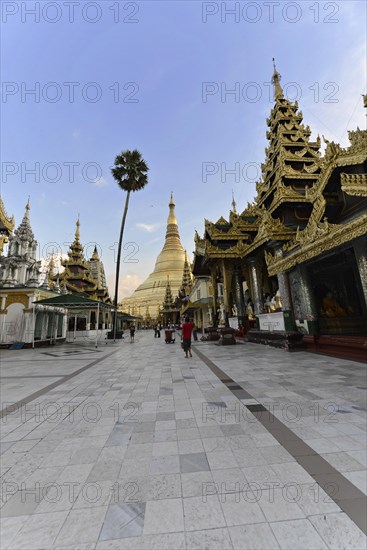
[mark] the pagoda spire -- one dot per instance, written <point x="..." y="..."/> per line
<point x="168" y="300"/>
<point x="171" y="216"/>
<point x="25" y="226"/>
<point x="234" y="205"/>
<point x="276" y="78"/>
<point x="172" y="242"/>
<point x="186" y="277"/>
<point x="95" y="255"/>
<point x="77" y="230"/>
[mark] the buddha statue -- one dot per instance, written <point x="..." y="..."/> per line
<point x="250" y="311"/>
<point x="331" y="307"/>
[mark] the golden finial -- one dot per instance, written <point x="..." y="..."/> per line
<point x="171" y="202"/>
<point x="276" y="78"/>
<point x="233" y="203"/>
<point x="28" y="206"/>
<point x="77" y="232"/>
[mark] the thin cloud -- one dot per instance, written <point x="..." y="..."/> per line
<point x="149" y="228"/>
<point x="100" y="182"/>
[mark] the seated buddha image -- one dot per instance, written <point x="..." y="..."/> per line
<point x="332" y="308"/>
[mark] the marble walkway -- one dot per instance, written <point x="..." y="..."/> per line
<point x="133" y="446"/>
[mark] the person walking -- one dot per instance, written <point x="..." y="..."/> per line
<point x="186" y="336"/>
<point x="132" y="333"/>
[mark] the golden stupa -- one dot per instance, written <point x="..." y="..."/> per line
<point x="148" y="298"/>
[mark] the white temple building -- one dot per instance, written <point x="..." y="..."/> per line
<point x="22" y="321"/>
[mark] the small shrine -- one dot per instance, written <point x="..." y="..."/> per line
<point x="21" y="322"/>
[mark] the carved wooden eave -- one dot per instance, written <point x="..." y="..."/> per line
<point x="327" y="237"/>
<point x="237" y="251"/>
<point x="285" y="194"/>
<point x="221" y="221"/>
<point x="251" y="211"/>
<point x="274" y="147"/>
<point x="308" y="166"/>
<point x="354" y="184"/>
<point x="299" y="176"/>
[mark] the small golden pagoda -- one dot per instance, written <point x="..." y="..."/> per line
<point x="80" y="276"/>
<point x="170" y="262"/>
<point x="169" y="312"/>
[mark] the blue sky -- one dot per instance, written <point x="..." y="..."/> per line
<point x="159" y="65"/>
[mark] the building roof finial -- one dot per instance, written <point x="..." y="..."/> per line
<point x="77" y="232"/>
<point x="234" y="209"/>
<point x="276" y="78"/>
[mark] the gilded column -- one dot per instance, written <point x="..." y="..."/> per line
<point x="215" y="293"/>
<point x="227" y="282"/>
<point x="238" y="293"/>
<point x="303" y="299"/>
<point x="283" y="284"/>
<point x="360" y="251"/>
<point x="256" y="287"/>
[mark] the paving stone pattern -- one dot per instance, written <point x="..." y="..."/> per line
<point x="145" y="449"/>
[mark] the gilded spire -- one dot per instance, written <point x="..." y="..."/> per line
<point x="171" y="216"/>
<point x="234" y="209"/>
<point x="172" y="242"/>
<point x="186" y="277"/>
<point x="95" y="255"/>
<point x="276" y="78"/>
<point x="168" y="300"/>
<point x="77" y="231"/>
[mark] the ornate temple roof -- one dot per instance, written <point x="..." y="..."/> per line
<point x="306" y="203"/>
<point x="7" y="224"/>
<point x="77" y="277"/>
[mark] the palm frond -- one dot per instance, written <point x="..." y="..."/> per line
<point x="130" y="170"/>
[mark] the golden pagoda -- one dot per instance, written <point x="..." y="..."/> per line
<point x="150" y="295"/>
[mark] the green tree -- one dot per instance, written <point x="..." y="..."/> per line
<point x="131" y="173"/>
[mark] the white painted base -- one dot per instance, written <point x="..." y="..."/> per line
<point x="233" y="322"/>
<point x="271" y="322"/>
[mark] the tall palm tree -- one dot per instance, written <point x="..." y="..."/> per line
<point x="130" y="171"/>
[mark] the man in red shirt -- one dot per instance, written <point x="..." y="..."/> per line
<point x="186" y="336"/>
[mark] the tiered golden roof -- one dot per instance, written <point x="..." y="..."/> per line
<point x="306" y="203"/>
<point x="76" y="277"/>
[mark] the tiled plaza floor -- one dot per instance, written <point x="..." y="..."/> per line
<point x="133" y="446"/>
